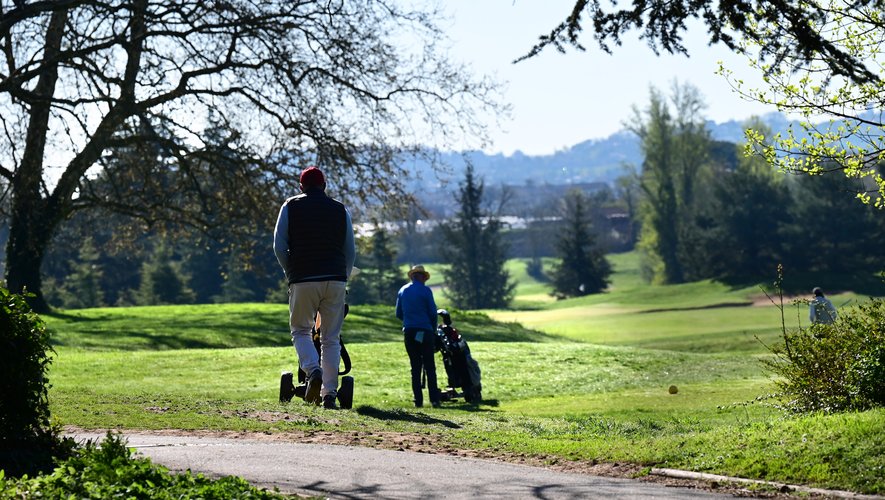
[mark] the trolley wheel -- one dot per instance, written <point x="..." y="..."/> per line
<point x="287" y="388"/>
<point x="345" y="393"/>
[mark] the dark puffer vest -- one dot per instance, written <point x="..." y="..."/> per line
<point x="316" y="238"/>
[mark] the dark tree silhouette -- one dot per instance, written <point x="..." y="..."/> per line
<point x="321" y="82"/>
<point x="380" y="278"/>
<point x="583" y="268"/>
<point x="472" y="247"/>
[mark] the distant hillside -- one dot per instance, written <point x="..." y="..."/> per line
<point x="591" y="161"/>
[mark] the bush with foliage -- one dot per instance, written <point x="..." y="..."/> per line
<point x="835" y="367"/>
<point x="108" y="470"/>
<point x="28" y="441"/>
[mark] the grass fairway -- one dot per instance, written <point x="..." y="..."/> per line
<point x="582" y="379"/>
<point x="703" y="316"/>
<point x="240" y="325"/>
<point x="721" y="329"/>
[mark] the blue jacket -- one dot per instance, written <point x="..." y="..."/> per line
<point x="415" y="306"/>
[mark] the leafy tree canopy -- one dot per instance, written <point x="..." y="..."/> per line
<point x="781" y="29"/>
<point x="676" y="146"/>
<point x="843" y="128"/>
<point x="821" y="59"/>
<point x="329" y="83"/>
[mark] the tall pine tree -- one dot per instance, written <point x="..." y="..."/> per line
<point x="386" y="276"/>
<point x="162" y="281"/>
<point x="583" y="269"/>
<point x="473" y="248"/>
<point x="675" y="144"/>
<point x="380" y="277"/>
<point x="82" y="288"/>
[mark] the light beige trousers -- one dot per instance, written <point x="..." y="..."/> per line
<point x="306" y="300"/>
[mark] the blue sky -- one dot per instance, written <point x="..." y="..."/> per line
<point x="560" y="100"/>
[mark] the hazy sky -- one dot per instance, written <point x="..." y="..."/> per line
<point x="560" y="100"/>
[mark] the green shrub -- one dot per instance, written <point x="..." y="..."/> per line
<point x="837" y="367"/>
<point x="27" y="440"/>
<point x="109" y="470"/>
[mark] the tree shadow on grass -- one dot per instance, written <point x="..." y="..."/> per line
<point x="75" y="318"/>
<point x="697" y="308"/>
<point x="133" y="340"/>
<point x="418" y="418"/>
<point x="479" y="327"/>
<point x="472" y="407"/>
<point x="801" y="283"/>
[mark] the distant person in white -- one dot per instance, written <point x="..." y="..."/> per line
<point x="821" y="311"/>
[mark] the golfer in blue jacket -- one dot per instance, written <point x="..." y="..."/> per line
<point x="416" y="308"/>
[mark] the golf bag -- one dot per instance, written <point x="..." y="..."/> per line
<point x="461" y="369"/>
<point x="345" y="392"/>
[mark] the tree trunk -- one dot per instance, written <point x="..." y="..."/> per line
<point x="29" y="235"/>
<point x="668" y="235"/>
<point x="33" y="217"/>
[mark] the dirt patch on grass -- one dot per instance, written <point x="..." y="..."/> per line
<point x="266" y="416"/>
<point x="422" y="443"/>
<point x="157" y="409"/>
<point x="761" y="300"/>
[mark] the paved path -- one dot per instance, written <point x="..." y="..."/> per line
<point x="349" y="472"/>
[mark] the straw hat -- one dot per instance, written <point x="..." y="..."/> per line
<point x="418" y="269"/>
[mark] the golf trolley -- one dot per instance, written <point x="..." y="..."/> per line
<point x="288" y="389"/>
<point x="461" y="369"/>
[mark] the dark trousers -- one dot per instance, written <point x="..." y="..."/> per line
<point x="422" y="360"/>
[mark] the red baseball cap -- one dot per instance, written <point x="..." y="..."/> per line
<point x="312" y="177"/>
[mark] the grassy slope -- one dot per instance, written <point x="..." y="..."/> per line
<point x="240" y="325"/>
<point x="565" y="396"/>
<point x="575" y="401"/>
<point x="702" y="316"/>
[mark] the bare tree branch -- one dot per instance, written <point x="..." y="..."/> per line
<point x="138" y="80"/>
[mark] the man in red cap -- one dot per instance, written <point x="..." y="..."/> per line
<point x="314" y="245"/>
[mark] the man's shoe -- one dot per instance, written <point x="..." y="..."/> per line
<point x="329" y="402"/>
<point x="314" y="384"/>
<point x="435" y="404"/>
